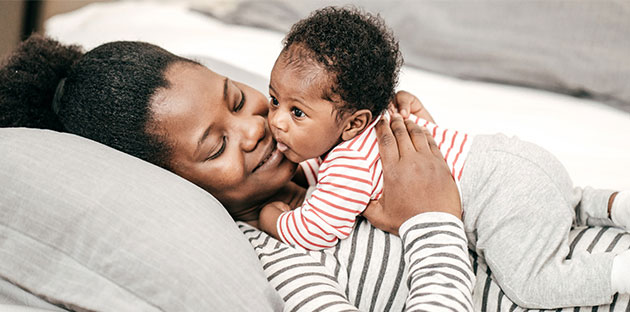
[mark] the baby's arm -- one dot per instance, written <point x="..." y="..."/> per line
<point x="329" y="214"/>
<point x="269" y="217"/>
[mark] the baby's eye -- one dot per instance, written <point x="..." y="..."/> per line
<point x="298" y="112"/>
<point x="274" y="101"/>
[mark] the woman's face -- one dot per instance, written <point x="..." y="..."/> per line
<point x="220" y="138"/>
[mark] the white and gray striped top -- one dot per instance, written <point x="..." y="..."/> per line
<point x="367" y="271"/>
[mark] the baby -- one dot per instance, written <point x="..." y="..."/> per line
<point x="334" y="80"/>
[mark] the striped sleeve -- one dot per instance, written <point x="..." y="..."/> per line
<point x="440" y="276"/>
<point x="343" y="191"/>
<point x="453" y="145"/>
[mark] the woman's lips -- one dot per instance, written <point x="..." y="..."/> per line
<point x="272" y="159"/>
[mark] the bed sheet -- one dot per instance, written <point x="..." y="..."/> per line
<point x="591" y="139"/>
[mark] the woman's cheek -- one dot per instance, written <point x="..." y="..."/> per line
<point x="230" y="173"/>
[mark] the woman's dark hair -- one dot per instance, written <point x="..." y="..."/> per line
<point x="106" y="95"/>
<point x="356" y="49"/>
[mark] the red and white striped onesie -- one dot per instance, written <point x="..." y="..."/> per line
<point x="347" y="179"/>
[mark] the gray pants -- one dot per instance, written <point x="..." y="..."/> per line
<point x="519" y="206"/>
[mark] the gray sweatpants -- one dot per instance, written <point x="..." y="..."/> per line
<point x="519" y="206"/>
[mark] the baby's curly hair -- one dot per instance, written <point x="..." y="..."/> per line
<point x="356" y="49"/>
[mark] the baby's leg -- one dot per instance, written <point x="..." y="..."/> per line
<point x="620" y="210"/>
<point x="526" y="250"/>
<point x="593" y="207"/>
<point x="522" y="211"/>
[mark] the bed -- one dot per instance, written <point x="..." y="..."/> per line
<point x="590" y="134"/>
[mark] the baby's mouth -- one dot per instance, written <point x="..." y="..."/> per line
<point x="282" y="147"/>
<point x="288" y="152"/>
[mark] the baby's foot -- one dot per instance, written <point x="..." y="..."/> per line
<point x="620" y="210"/>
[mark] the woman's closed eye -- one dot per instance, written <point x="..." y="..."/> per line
<point x="219" y="150"/>
<point x="241" y="103"/>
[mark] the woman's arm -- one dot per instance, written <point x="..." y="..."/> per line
<point x="425" y="210"/>
<point x="436" y="252"/>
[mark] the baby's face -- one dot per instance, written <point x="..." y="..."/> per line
<point x="304" y="124"/>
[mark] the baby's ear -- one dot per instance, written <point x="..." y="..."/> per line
<point x="355" y="123"/>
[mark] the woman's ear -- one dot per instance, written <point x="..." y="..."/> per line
<point x="355" y="123"/>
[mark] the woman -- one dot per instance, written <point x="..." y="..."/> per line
<point x="175" y="113"/>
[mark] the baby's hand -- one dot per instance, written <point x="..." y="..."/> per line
<point x="269" y="217"/>
<point x="406" y="103"/>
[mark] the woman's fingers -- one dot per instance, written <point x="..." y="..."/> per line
<point x="403" y="101"/>
<point x="399" y="129"/>
<point x="375" y="213"/>
<point x="432" y="145"/>
<point x="388" y="148"/>
<point x="422" y="138"/>
<point x="419" y="138"/>
<point x="416" y="179"/>
<point x="406" y="103"/>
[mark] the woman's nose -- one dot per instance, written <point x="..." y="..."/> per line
<point x="253" y="130"/>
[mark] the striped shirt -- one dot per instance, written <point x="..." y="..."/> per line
<point x="346" y="180"/>
<point x="426" y="269"/>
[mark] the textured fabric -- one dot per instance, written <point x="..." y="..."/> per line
<point x="373" y="270"/>
<point x="519" y="206"/>
<point x="368" y="267"/>
<point x="348" y="177"/>
<point x="620" y="274"/>
<point x="620" y="212"/>
<point x="439" y="272"/>
<point x="18" y="308"/>
<point x="12" y="296"/>
<point x="593" y="207"/>
<point x="488" y="296"/>
<point x="90" y="228"/>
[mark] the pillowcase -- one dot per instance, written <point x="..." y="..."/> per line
<point x="574" y="47"/>
<point x="87" y="227"/>
<point x="235" y="73"/>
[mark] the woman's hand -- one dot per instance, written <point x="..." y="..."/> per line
<point x="416" y="178"/>
<point x="405" y="103"/>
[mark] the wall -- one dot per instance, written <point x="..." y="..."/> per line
<point x="11" y="15"/>
<point x="14" y="16"/>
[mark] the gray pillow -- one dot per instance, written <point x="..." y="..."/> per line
<point x="87" y="227"/>
<point x="235" y="73"/>
<point x="580" y="48"/>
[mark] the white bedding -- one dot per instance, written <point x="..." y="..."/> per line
<point x="590" y="138"/>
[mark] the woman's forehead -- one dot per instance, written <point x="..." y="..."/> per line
<point x="190" y="85"/>
<point x="182" y="75"/>
<point x="188" y="105"/>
